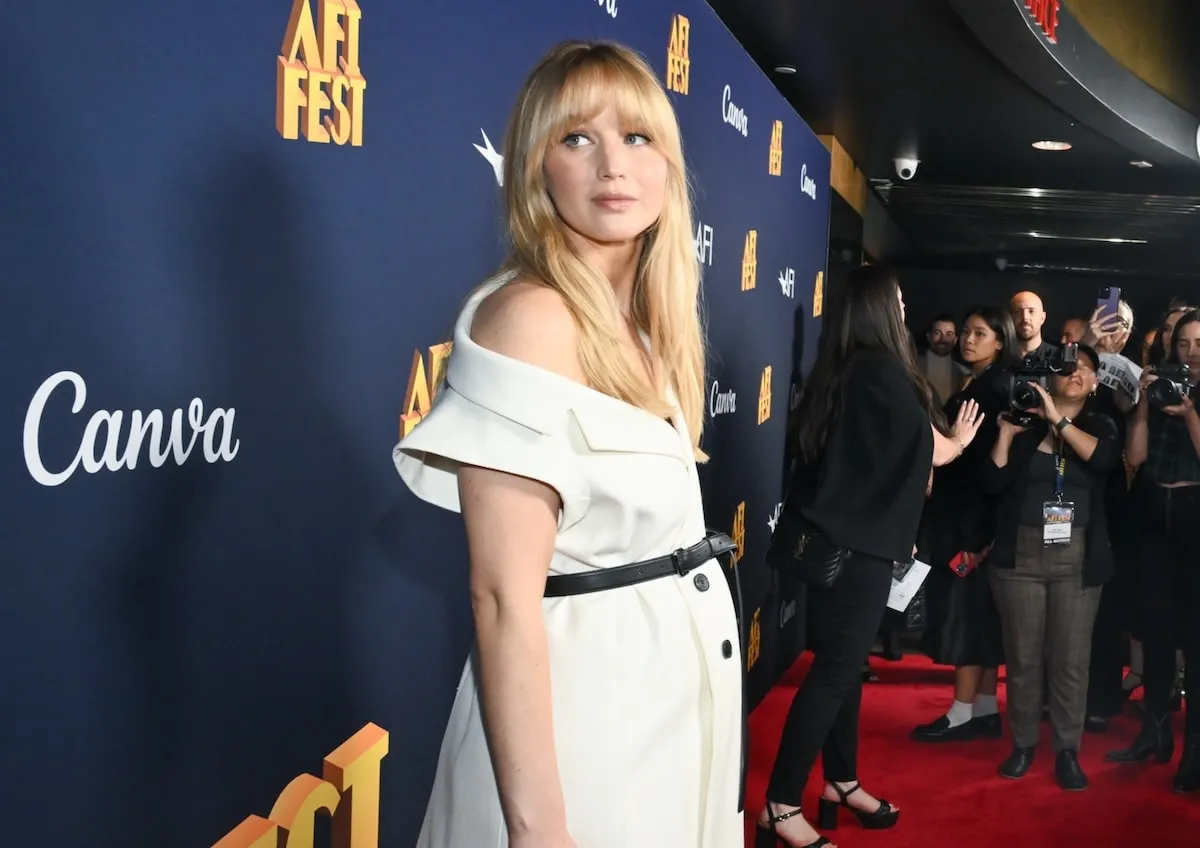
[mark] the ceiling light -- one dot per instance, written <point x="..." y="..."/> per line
<point x="1141" y="163"/>
<point x="1038" y="235"/>
<point x="785" y="69"/>
<point x="1052" y="145"/>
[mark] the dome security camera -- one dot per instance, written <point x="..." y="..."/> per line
<point x="906" y="167"/>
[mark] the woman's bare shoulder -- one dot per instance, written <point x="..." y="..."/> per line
<point x="529" y="321"/>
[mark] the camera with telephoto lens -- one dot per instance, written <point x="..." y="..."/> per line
<point x="1023" y="398"/>
<point x="1174" y="383"/>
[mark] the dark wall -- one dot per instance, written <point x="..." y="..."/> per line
<point x="926" y="293"/>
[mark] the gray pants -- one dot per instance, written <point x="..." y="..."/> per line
<point x="1046" y="614"/>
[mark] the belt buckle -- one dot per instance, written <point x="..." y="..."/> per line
<point x="679" y="563"/>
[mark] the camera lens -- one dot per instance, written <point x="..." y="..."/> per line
<point x="1024" y="396"/>
<point x="1163" y="392"/>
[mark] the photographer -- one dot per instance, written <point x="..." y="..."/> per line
<point x="1164" y="440"/>
<point x="1051" y="555"/>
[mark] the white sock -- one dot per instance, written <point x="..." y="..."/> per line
<point x="985" y="705"/>
<point x="959" y="713"/>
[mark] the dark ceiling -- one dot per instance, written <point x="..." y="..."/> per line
<point x="908" y="78"/>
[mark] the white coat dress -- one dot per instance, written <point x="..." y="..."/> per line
<point x="645" y="680"/>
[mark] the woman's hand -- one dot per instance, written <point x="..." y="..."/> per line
<point x="966" y="424"/>
<point x="1181" y="409"/>
<point x="1008" y="427"/>
<point x="1046" y="409"/>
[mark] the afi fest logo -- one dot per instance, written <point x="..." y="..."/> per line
<point x="738" y="536"/>
<point x="349" y="792"/>
<point x="424" y="382"/>
<point x="318" y="71"/>
<point x="679" y="65"/>
<point x="108" y="445"/>
<point x="775" y="155"/>
<point x="787" y="282"/>
<point x="819" y="294"/>
<point x="719" y="402"/>
<point x="609" y="6"/>
<point x="764" y="396"/>
<point x="750" y="261"/>
<point x="733" y="114"/>
<point x="754" y="644"/>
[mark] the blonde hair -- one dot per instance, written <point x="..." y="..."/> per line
<point x="574" y="82"/>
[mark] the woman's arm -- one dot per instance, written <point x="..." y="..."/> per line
<point x="946" y="449"/>
<point x="1137" y="434"/>
<point x="966" y="423"/>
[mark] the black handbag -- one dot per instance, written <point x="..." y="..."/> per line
<point x="803" y="552"/>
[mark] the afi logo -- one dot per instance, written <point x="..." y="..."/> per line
<point x="764" y="396"/>
<point x="496" y="160"/>
<point x="739" y="532"/>
<point x="807" y="184"/>
<point x="106" y="445"/>
<point x="775" y="155"/>
<point x="719" y="402"/>
<point x="318" y="71"/>
<point x="423" y="386"/>
<point x="609" y="6"/>
<point x="750" y="261"/>
<point x="679" y="65"/>
<point x="733" y="114"/>
<point x="704" y="244"/>
<point x="819" y="294"/>
<point x="787" y="282"/>
<point x="773" y="519"/>
<point x="754" y="644"/>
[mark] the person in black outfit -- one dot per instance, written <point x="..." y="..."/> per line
<point x="867" y="436"/>
<point x="1046" y="577"/>
<point x="963" y="626"/>
<point x="1165" y="443"/>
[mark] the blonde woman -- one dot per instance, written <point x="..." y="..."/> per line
<point x="601" y="705"/>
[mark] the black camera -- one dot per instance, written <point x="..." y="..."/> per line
<point x="1023" y="398"/>
<point x="1174" y="383"/>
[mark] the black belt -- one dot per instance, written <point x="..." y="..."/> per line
<point x="712" y="546"/>
<point x="679" y="563"/>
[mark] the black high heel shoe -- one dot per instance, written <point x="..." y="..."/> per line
<point x="880" y="819"/>
<point x="768" y="837"/>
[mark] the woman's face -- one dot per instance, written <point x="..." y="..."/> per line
<point x="1187" y="344"/>
<point x="606" y="181"/>
<point x="978" y="342"/>
<point x="1147" y="343"/>
<point x="1168" y="330"/>
<point x="1079" y="384"/>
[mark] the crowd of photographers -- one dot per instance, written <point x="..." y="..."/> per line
<point x="1061" y="538"/>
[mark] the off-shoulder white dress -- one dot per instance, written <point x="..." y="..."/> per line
<point x="645" y="680"/>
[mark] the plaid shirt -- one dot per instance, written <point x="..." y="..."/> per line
<point x="1170" y="457"/>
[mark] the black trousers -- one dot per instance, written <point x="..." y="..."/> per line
<point x="1170" y="593"/>
<point x="823" y="719"/>
<point x="1115" y="620"/>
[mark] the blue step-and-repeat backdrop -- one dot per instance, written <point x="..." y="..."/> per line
<point x="221" y="305"/>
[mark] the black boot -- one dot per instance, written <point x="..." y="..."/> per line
<point x="1155" y="741"/>
<point x="1067" y="773"/>
<point x="1017" y="764"/>
<point x="1187" y="779"/>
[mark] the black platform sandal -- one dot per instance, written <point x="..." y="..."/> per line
<point x="880" y="819"/>
<point x="768" y="837"/>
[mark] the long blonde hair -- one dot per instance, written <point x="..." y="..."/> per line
<point x="574" y="82"/>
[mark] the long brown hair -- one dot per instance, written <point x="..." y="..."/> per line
<point x="863" y="314"/>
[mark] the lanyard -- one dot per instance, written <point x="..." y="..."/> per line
<point x="1060" y="471"/>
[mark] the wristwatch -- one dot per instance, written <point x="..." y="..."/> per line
<point x="1063" y="423"/>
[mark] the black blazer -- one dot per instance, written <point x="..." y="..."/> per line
<point x="1009" y="482"/>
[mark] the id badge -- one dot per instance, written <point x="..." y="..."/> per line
<point x="1056" y="523"/>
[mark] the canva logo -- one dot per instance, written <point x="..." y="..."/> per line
<point x="107" y="445"/>
<point x="318" y="72"/>
<point x="349" y="793"/>
<point x="719" y="402"/>
<point x="704" y="244"/>
<point x="733" y="114"/>
<point x="609" y="6"/>
<point x="807" y="184"/>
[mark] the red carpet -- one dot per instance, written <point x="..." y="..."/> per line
<point x="950" y="794"/>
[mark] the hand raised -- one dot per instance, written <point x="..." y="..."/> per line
<point x="966" y="423"/>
